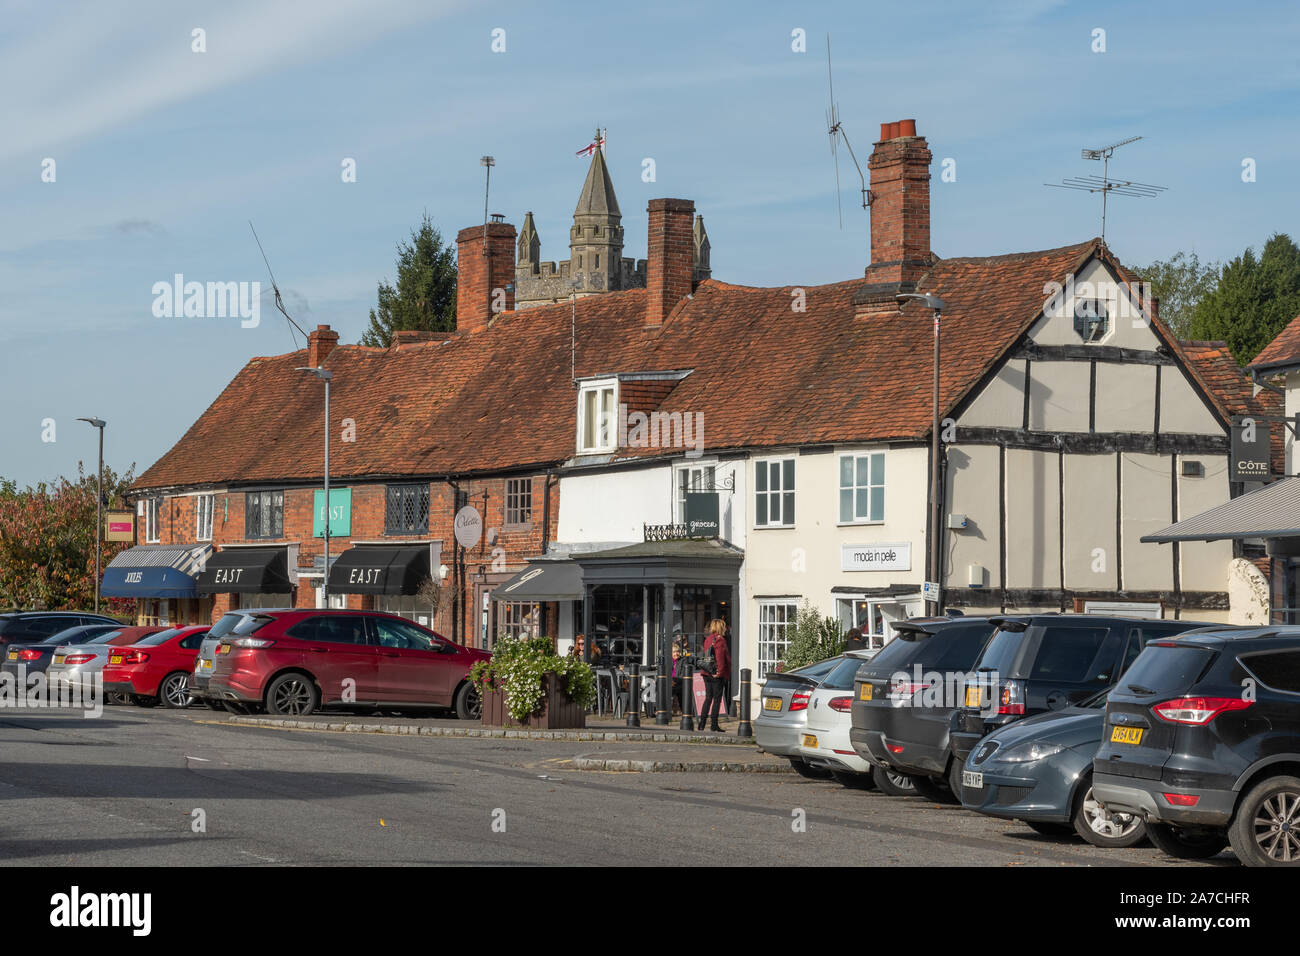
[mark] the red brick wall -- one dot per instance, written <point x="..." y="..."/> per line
<point x="513" y="545"/>
<point x="478" y="275"/>
<point x="670" y="263"/>
<point x="900" y="206"/>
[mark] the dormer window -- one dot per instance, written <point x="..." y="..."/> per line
<point x="597" y="407"/>
<point x="1091" y="320"/>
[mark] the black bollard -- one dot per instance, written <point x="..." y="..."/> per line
<point x="634" y="697"/>
<point x="688" y="697"/>
<point x="664" y="695"/>
<point x="745" y="728"/>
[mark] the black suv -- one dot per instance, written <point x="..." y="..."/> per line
<point x="905" y="696"/>
<point x="29" y="627"/>
<point x="1041" y="662"/>
<point x="1202" y="738"/>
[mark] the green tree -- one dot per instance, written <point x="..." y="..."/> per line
<point x="47" y="542"/>
<point x="1256" y="298"/>
<point x="1181" y="282"/>
<point x="424" y="297"/>
<point x="815" y="638"/>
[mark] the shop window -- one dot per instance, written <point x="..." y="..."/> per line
<point x="518" y="619"/>
<point x="776" y="622"/>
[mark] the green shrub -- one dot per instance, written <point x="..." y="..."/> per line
<point x="815" y="638"/>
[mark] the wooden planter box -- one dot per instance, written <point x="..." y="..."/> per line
<point x="558" y="712"/>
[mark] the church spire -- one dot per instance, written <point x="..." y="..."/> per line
<point x="597" y="196"/>
<point x="530" y="246"/>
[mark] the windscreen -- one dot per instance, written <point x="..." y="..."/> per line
<point x="153" y="640"/>
<point x="1001" y="652"/>
<point x="238" y="624"/>
<point x="841" y="675"/>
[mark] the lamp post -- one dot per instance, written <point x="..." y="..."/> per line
<point x="935" y="304"/>
<point x="325" y="375"/>
<point x="99" y="501"/>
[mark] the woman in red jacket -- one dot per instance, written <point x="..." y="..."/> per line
<point x="716" y="644"/>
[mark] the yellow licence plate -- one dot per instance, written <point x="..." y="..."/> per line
<point x="771" y="703"/>
<point x="60" y="658"/>
<point x="864" y="692"/>
<point x="115" y="659"/>
<point x="810" y="741"/>
<point x="13" y="655"/>
<point x="972" y="696"/>
<point x="205" y="664"/>
<point x="1126" y="735"/>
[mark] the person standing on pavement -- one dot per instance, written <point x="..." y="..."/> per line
<point x="716" y="645"/>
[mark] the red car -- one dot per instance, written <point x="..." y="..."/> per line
<point x="293" y="661"/>
<point x="156" y="668"/>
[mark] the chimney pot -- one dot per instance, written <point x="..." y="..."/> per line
<point x="884" y="132"/>
<point x="907" y="127"/>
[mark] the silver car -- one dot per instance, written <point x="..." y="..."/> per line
<point x="232" y="622"/>
<point x="77" y="664"/>
<point x="783" y="713"/>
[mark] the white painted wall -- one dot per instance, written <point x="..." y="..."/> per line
<point x="612" y="505"/>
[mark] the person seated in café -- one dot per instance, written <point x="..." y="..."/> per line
<point x="853" y="640"/>
<point x="578" y="650"/>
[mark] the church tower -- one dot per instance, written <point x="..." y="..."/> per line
<point x="596" y="238"/>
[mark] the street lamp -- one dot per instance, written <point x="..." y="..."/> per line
<point x="325" y="375"/>
<point x="99" y="500"/>
<point x="935" y="304"/>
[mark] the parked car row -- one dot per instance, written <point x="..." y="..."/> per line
<point x="1114" y="729"/>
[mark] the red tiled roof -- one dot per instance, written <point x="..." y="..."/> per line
<point x="1283" y="350"/>
<point x="1215" y="366"/>
<point x="764" y="375"/>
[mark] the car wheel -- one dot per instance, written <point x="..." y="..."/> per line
<point x="954" y="778"/>
<point x="1185" y="844"/>
<point x="932" y="789"/>
<point x="292" y="695"/>
<point x="1049" y="829"/>
<point x="469" y="702"/>
<point x="174" y="691"/>
<point x="893" y="783"/>
<point x="803" y="769"/>
<point x="854" y="781"/>
<point x="118" y="698"/>
<point x="1266" y="828"/>
<point x="1101" y="827"/>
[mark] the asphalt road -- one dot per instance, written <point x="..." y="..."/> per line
<point x="123" y="790"/>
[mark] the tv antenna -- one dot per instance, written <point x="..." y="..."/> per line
<point x="836" y="132"/>
<point x="1104" y="184"/>
<point x="488" y="162"/>
<point x="279" y="302"/>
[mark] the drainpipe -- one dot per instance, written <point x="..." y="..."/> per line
<point x="546" y="509"/>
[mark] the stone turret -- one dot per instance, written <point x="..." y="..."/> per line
<point x="596" y="237"/>
<point x="701" y="239"/>
<point x="530" y="249"/>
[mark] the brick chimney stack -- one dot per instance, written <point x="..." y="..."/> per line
<point x="484" y="280"/>
<point x="320" y="343"/>
<point x="670" y="263"/>
<point x="900" y="215"/>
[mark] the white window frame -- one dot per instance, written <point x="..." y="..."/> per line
<point x="152" y="510"/>
<point x="518" y="619"/>
<point x="608" y="441"/>
<point x="777" y="495"/>
<point x="203" y="506"/>
<point x="695" y="475"/>
<point x="855" y="518"/>
<point x="879" y="632"/>
<point x="776" y="620"/>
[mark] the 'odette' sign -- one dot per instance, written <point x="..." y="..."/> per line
<point x="876" y="557"/>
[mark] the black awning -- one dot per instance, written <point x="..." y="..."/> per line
<point x="380" y="569"/>
<point x="246" y="571"/>
<point x="543" y="581"/>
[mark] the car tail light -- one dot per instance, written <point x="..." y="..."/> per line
<point x="135" y="657"/>
<point x="842" y="704"/>
<point x="1197" y="710"/>
<point x="905" y="690"/>
<point x="1181" y="799"/>
<point x="1011" y="698"/>
<point x="895" y="748"/>
<point x="29" y="655"/>
<point x="799" y="700"/>
<point x="78" y="658"/>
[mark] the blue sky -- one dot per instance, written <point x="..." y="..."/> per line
<point x="162" y="156"/>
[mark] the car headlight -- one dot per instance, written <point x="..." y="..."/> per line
<point x="1033" y="750"/>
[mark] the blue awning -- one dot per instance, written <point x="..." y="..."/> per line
<point x="157" y="571"/>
